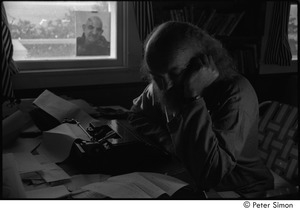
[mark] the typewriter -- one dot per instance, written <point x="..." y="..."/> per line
<point x="114" y="148"/>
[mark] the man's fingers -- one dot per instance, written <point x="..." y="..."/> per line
<point x="206" y="60"/>
<point x="201" y="63"/>
<point x="212" y="63"/>
<point x="214" y="67"/>
<point x="209" y="63"/>
<point x="210" y="72"/>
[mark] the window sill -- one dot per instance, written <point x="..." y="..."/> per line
<point x="67" y="78"/>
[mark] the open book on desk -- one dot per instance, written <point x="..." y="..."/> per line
<point x="137" y="185"/>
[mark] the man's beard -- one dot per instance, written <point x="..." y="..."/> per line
<point x="172" y="99"/>
<point x="92" y="39"/>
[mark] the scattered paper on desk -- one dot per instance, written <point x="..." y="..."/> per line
<point x="77" y="181"/>
<point x="138" y="180"/>
<point x="118" y="190"/>
<point x="137" y="185"/>
<point x="13" y="125"/>
<point x="53" y="173"/>
<point x="23" y="145"/>
<point x="86" y="194"/>
<point x="48" y="192"/>
<point x="27" y="163"/>
<point x="167" y="183"/>
<point x="31" y="129"/>
<point x="57" y="142"/>
<point x="42" y="159"/>
<point x="229" y="194"/>
<point x="32" y="178"/>
<point x="61" y="108"/>
<point x="12" y="186"/>
<point x="58" y="107"/>
<point x="84" y="106"/>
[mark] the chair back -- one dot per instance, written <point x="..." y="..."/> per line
<point x="278" y="139"/>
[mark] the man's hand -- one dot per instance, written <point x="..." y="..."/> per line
<point x="200" y="77"/>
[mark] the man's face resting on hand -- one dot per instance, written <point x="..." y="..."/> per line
<point x="180" y="73"/>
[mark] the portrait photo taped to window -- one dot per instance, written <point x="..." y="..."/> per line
<point x="93" y="33"/>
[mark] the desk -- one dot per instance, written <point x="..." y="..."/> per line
<point x="71" y="168"/>
<point x="42" y="173"/>
<point x="78" y="178"/>
<point x="170" y="167"/>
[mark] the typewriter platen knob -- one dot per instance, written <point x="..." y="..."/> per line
<point x="106" y="145"/>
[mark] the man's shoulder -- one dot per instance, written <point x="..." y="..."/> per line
<point x="241" y="91"/>
<point x="238" y="83"/>
<point x="102" y="42"/>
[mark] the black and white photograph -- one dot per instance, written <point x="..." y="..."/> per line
<point x="193" y="104"/>
<point x="93" y="33"/>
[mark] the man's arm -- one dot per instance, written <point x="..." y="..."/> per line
<point x="149" y="121"/>
<point x="207" y="149"/>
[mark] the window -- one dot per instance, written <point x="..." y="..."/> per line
<point x="71" y="43"/>
<point x="50" y="33"/>
<point x="293" y="31"/>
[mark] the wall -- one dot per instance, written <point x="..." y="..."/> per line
<point x="278" y="87"/>
<point x="271" y="84"/>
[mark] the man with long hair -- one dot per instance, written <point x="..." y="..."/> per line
<point x="199" y="109"/>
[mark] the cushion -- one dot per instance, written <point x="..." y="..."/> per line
<point x="278" y="140"/>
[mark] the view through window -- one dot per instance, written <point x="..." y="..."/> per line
<point x="62" y="30"/>
<point x="293" y="31"/>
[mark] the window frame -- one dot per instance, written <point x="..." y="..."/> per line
<point x="294" y="4"/>
<point x="124" y="69"/>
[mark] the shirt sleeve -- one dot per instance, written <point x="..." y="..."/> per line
<point x="149" y="121"/>
<point x="207" y="149"/>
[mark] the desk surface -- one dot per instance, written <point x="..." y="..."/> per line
<point x="27" y="145"/>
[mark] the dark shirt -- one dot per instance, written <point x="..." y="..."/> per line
<point x="215" y="137"/>
<point x="101" y="47"/>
